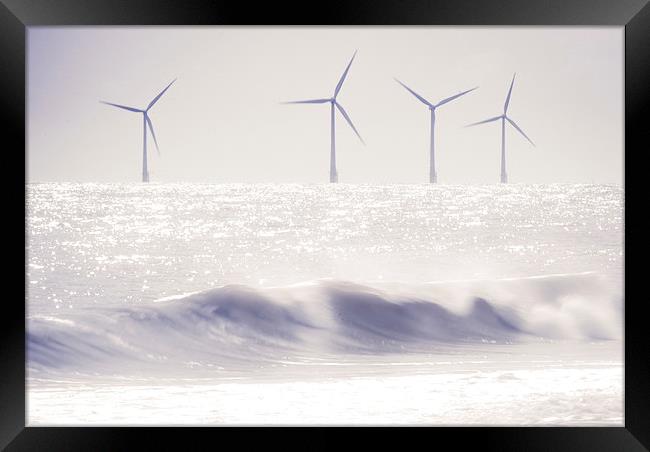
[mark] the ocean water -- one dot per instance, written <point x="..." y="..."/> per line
<point x="230" y="295"/>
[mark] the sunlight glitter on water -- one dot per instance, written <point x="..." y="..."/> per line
<point x="117" y="242"/>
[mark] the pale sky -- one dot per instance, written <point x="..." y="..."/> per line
<point x="222" y="120"/>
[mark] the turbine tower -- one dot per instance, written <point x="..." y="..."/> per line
<point x="333" y="103"/>
<point x="504" y="117"/>
<point x="146" y="121"/>
<point x="433" y="177"/>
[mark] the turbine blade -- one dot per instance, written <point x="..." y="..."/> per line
<point x="345" y="73"/>
<point x="347" y="118"/>
<point x="520" y="131"/>
<point x="155" y="99"/>
<point x="153" y="134"/>
<point x="505" y="106"/>
<point x="122" y="106"/>
<point x="449" y="99"/>
<point x="484" y="121"/>
<point x="310" y="101"/>
<point x="422" y="99"/>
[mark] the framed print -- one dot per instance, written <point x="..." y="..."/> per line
<point x="383" y="214"/>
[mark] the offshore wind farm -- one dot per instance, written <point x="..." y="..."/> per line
<point x="275" y="268"/>
<point x="334" y="105"/>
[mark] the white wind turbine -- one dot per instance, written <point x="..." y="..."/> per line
<point x="433" y="177"/>
<point x="146" y="123"/>
<point x="333" y="103"/>
<point x="504" y="117"/>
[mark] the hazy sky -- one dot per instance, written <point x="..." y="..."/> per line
<point x="222" y="120"/>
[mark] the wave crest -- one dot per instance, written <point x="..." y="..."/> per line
<point x="236" y="323"/>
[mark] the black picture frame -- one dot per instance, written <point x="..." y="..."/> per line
<point x="17" y="15"/>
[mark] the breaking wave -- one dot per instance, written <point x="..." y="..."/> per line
<point x="237" y="324"/>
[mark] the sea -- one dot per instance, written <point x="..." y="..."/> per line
<point x="324" y="304"/>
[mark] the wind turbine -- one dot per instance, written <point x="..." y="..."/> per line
<point x="146" y="123"/>
<point x="334" y="103"/>
<point x="433" y="177"/>
<point x="504" y="117"/>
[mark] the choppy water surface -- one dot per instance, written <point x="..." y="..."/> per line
<point x="126" y="243"/>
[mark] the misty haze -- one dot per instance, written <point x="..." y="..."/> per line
<point x="328" y="225"/>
